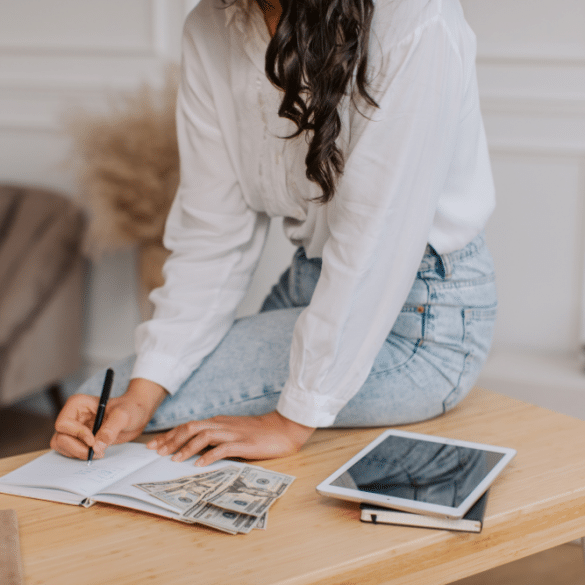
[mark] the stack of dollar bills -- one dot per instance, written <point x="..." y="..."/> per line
<point x="232" y="499"/>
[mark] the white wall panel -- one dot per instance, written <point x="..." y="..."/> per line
<point x="561" y="80"/>
<point x="111" y="26"/>
<point x="541" y="30"/>
<point x="34" y="157"/>
<point x="536" y="238"/>
<point x="531" y="70"/>
<point x="530" y="127"/>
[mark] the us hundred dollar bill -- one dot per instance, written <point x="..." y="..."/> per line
<point x="184" y="492"/>
<point x="252" y="492"/>
<point x="231" y="499"/>
<point x="209" y="477"/>
<point x="219" y="518"/>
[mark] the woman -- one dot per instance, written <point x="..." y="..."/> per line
<point x="361" y="126"/>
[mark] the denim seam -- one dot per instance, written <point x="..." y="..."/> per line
<point x="294" y="284"/>
<point x="471" y="249"/>
<point x="250" y="399"/>
<point x="481" y="313"/>
<point x="424" y="314"/>
<point x="488" y="279"/>
<point x="395" y="368"/>
<point x="458" y="385"/>
<point x="447" y="266"/>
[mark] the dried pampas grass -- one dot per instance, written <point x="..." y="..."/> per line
<point x="127" y="164"/>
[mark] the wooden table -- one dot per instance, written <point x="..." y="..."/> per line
<point x="537" y="503"/>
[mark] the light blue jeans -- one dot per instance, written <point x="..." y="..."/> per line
<point x="427" y="364"/>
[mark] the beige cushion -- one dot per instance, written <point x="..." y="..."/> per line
<point x="41" y="289"/>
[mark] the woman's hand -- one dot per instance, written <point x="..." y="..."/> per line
<point x="251" y="437"/>
<point x="124" y="419"/>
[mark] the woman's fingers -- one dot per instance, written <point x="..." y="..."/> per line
<point x="241" y="449"/>
<point x="115" y="421"/>
<point x="69" y="446"/>
<point x="75" y="422"/>
<point x="174" y="439"/>
<point x="75" y="429"/>
<point x="75" y="416"/>
<point x="124" y="419"/>
<point x="206" y="438"/>
<point x="190" y="438"/>
<point x="251" y="437"/>
<point x="73" y="436"/>
<point x="225" y="444"/>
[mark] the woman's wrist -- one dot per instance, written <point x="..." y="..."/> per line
<point x="145" y="394"/>
<point x="297" y="432"/>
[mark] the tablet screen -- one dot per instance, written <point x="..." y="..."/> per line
<point x="412" y="468"/>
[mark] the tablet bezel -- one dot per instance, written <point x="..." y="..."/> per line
<point x="326" y="488"/>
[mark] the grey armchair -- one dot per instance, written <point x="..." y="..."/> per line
<point x="41" y="291"/>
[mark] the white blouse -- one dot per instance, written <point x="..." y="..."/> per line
<point x="417" y="170"/>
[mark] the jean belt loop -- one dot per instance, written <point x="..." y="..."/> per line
<point x="447" y="265"/>
<point x="294" y="270"/>
<point x="440" y="267"/>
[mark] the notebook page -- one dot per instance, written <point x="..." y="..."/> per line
<point x="76" y="476"/>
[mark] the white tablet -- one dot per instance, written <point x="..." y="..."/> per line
<point x="419" y="473"/>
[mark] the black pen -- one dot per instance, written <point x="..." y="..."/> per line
<point x="101" y="408"/>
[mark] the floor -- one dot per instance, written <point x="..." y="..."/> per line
<point x="22" y="431"/>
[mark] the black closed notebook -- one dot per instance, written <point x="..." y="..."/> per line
<point x="471" y="522"/>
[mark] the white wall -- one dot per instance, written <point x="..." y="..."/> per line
<point x="56" y="55"/>
<point x="531" y="67"/>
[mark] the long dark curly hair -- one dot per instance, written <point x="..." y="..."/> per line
<point x="318" y="54"/>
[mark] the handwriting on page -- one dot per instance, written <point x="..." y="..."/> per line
<point x="99" y="475"/>
<point x="103" y="472"/>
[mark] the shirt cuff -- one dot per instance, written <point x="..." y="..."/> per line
<point x="161" y="369"/>
<point x="308" y="408"/>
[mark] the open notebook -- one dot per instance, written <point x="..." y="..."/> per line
<point x="226" y="495"/>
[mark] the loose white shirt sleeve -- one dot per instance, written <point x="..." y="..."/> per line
<point x="215" y="239"/>
<point x="417" y="172"/>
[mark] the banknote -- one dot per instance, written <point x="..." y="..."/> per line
<point x="253" y="491"/>
<point x="225" y="520"/>
<point x="196" y="484"/>
<point x="212" y="478"/>
<point x="182" y="493"/>
<point x="179" y="498"/>
<point x="232" y="499"/>
<point x="262" y="523"/>
<point x="157" y="485"/>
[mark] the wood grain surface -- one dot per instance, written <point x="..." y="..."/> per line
<point x="536" y="504"/>
<point x="10" y="560"/>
